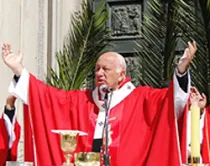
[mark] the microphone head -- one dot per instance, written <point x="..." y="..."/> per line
<point x="105" y="89"/>
<point x="110" y="89"/>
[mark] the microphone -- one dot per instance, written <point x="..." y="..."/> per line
<point x="105" y="89"/>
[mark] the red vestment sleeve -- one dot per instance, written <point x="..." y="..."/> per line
<point x="182" y="125"/>
<point x="153" y="129"/>
<point x="50" y="108"/>
<point x="205" y="152"/>
<point x="4" y="143"/>
<point x="165" y="147"/>
<point x="14" y="148"/>
<point x="28" y="144"/>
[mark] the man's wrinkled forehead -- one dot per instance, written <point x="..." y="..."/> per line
<point x="108" y="55"/>
<point x="105" y="64"/>
<point x="106" y="59"/>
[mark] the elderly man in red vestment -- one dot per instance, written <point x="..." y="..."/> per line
<point x="142" y="120"/>
<point x="9" y="132"/>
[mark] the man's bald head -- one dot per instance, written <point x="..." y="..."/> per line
<point x="110" y="69"/>
<point x="120" y="60"/>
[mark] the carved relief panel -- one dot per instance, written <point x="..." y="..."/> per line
<point x="125" y="20"/>
<point x="125" y="25"/>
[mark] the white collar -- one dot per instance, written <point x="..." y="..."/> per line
<point x="117" y="96"/>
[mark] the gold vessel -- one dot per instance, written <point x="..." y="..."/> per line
<point x="87" y="159"/>
<point x="195" y="161"/>
<point x="68" y="145"/>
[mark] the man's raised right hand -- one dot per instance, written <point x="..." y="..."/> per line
<point x="13" y="61"/>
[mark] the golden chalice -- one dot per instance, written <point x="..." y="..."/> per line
<point x="195" y="161"/>
<point x="68" y="143"/>
<point x="87" y="159"/>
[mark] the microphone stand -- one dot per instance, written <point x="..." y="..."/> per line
<point x="107" y="105"/>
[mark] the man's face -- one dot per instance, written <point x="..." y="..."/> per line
<point x="107" y="71"/>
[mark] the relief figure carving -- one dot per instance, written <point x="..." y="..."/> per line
<point x="126" y="20"/>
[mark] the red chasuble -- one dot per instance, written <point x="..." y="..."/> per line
<point x="143" y="129"/>
<point x="182" y="125"/>
<point x="4" y="143"/>
<point x="205" y="148"/>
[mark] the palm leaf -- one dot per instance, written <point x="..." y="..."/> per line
<point x="192" y="25"/>
<point x="85" y="42"/>
<point x="150" y="57"/>
<point x="168" y="26"/>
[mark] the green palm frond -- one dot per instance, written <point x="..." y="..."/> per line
<point x="205" y="9"/>
<point x="208" y="3"/>
<point x="85" y="42"/>
<point x="168" y="26"/>
<point x="192" y="25"/>
<point x="150" y="54"/>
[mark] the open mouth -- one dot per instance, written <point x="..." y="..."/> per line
<point x="100" y="82"/>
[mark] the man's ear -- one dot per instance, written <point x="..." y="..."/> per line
<point x="122" y="75"/>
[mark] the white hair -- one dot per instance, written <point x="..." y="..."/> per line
<point x="122" y="62"/>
